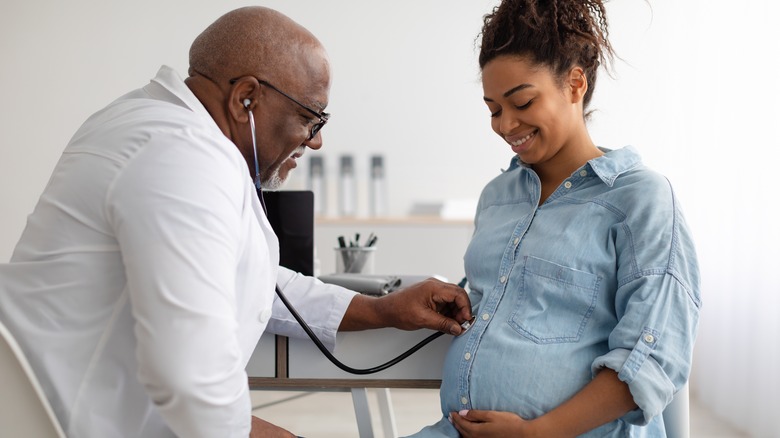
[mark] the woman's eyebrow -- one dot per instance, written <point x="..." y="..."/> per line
<point x="512" y="91"/>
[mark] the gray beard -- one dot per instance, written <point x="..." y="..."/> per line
<point x="274" y="182"/>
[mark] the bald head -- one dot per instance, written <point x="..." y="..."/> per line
<point x="256" y="41"/>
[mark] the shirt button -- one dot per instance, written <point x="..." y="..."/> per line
<point x="264" y="316"/>
<point x="502" y="279"/>
<point x="583" y="172"/>
<point x="567" y="184"/>
<point x="464" y="400"/>
<point x="649" y="339"/>
<point x="467" y="356"/>
<point x="517" y="240"/>
<point x="485" y="316"/>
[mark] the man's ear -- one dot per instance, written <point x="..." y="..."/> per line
<point x="242" y="98"/>
<point x="577" y="83"/>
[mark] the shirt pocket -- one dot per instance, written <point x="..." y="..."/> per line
<point x="555" y="302"/>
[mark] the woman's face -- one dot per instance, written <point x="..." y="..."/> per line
<point x="530" y="109"/>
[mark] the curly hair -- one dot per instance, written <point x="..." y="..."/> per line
<point x="559" y="34"/>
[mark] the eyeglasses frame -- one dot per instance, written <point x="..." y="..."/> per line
<point x="315" y="128"/>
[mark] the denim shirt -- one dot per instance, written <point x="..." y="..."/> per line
<point x="602" y="274"/>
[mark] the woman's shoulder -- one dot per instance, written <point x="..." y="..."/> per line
<point x="624" y="171"/>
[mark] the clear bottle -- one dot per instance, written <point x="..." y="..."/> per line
<point x="378" y="187"/>
<point x="347" y="187"/>
<point x="317" y="184"/>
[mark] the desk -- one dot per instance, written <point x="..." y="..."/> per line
<point x="280" y="363"/>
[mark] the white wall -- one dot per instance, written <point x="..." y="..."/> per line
<point x="405" y="85"/>
<point x="695" y="92"/>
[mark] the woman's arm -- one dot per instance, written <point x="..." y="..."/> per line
<point x="603" y="400"/>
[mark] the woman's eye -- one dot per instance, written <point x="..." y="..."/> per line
<point x="497" y="113"/>
<point x="524" y="106"/>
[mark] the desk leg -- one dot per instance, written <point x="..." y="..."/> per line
<point x="386" y="413"/>
<point x="362" y="412"/>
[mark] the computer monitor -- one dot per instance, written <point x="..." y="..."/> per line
<point x="291" y="214"/>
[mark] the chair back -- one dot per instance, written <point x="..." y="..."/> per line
<point x="677" y="415"/>
<point x="24" y="409"/>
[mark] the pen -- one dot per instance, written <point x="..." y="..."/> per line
<point x="371" y="241"/>
<point x="344" y="255"/>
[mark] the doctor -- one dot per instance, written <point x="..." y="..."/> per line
<point x="146" y="273"/>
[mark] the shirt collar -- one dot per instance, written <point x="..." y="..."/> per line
<point x="615" y="163"/>
<point x="167" y="84"/>
<point x="608" y="167"/>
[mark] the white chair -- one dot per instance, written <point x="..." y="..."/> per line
<point x="24" y="409"/>
<point x="677" y="415"/>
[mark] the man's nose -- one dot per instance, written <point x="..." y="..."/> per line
<point x="315" y="143"/>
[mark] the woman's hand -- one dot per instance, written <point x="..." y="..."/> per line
<point x="474" y="423"/>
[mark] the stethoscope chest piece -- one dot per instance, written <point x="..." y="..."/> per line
<point x="466" y="325"/>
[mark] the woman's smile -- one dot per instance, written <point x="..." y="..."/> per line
<point x="522" y="144"/>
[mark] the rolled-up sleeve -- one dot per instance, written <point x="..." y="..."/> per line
<point x="321" y="305"/>
<point x="657" y="303"/>
<point x="652" y="346"/>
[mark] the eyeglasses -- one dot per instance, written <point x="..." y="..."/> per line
<point x="315" y="128"/>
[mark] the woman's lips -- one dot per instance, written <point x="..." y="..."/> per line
<point x="523" y="143"/>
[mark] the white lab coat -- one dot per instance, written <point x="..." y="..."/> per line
<point x="145" y="275"/>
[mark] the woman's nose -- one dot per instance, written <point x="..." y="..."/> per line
<point x="508" y="123"/>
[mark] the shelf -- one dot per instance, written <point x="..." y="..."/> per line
<point x="399" y="220"/>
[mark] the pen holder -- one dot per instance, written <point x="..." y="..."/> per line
<point x="355" y="260"/>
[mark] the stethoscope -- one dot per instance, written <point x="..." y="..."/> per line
<point x="465" y="325"/>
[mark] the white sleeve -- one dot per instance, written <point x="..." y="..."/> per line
<point x="176" y="213"/>
<point x="322" y="307"/>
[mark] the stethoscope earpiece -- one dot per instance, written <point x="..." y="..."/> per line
<point x="254" y="142"/>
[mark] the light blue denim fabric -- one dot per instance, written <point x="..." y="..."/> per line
<point x="603" y="274"/>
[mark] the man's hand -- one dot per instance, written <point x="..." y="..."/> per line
<point x="264" y="429"/>
<point x="430" y="304"/>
